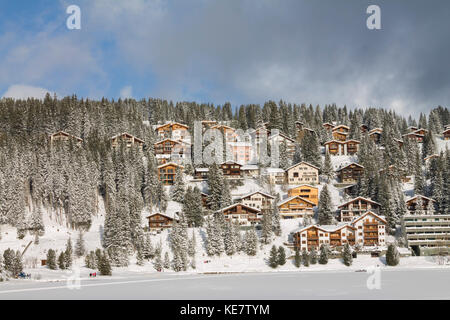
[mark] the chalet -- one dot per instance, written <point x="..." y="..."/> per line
<point x="412" y="129"/>
<point x="351" y="190"/>
<point x="160" y="221"/>
<point x="228" y="133"/>
<point x="259" y="200"/>
<point x="399" y="142"/>
<point x="356" y="207"/>
<point x="241" y="214"/>
<point x="411" y="204"/>
<point x="350" y="173"/>
<point x="128" y="139"/>
<point x="421" y="131"/>
<point x="335" y="147"/>
<point x="341" y="128"/>
<point x="340" y="136"/>
<point x="414" y="136"/>
<point x="201" y="173"/>
<point x="167" y="173"/>
<point x="328" y="126"/>
<point x="274" y="175"/>
<point x="231" y="169"/>
<point x="375" y="135"/>
<point x="446" y="134"/>
<point x="250" y="170"/>
<point x="305" y="191"/>
<point x="301" y="173"/>
<point x="367" y="230"/>
<point x="175" y="150"/>
<point x="62" y="136"/>
<point x="174" y="130"/>
<point x="295" y="207"/>
<point x="426" y="232"/>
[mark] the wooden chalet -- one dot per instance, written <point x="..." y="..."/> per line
<point x="62" y="136"/>
<point x="305" y="191"/>
<point x="375" y="135"/>
<point x="340" y="136"/>
<point x="339" y="148"/>
<point x="446" y="134"/>
<point x="304" y="132"/>
<point x="228" y="133"/>
<point x="302" y="173"/>
<point x="411" y="203"/>
<point x="128" y="139"/>
<point x="350" y="173"/>
<point x="241" y="214"/>
<point x="414" y="136"/>
<point x="175" y="150"/>
<point x="201" y="173"/>
<point x="173" y="130"/>
<point x="412" y="128"/>
<point x="167" y="173"/>
<point x="259" y="200"/>
<point x="160" y="221"/>
<point x="356" y="207"/>
<point x="250" y="170"/>
<point x="231" y="169"/>
<point x="295" y="207"/>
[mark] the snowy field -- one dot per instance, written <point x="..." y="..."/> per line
<point x="393" y="284"/>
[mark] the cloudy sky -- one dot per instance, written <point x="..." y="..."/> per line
<point x="242" y="51"/>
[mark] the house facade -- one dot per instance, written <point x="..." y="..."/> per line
<point x="274" y="175"/>
<point x="160" y="221"/>
<point x="295" y="207"/>
<point x="62" y="136"/>
<point x="412" y="203"/>
<point x="366" y="231"/>
<point x="302" y="173"/>
<point x="241" y="214"/>
<point x="259" y="200"/>
<point x="175" y="131"/>
<point x="305" y="191"/>
<point x="350" y="173"/>
<point x="167" y="173"/>
<point x="128" y="139"/>
<point x="231" y="169"/>
<point x="357" y="207"/>
<point x="342" y="148"/>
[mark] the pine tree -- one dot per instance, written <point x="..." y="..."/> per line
<point x="104" y="265"/>
<point x="323" y="258"/>
<point x="51" y="259"/>
<point x="325" y="213"/>
<point x="157" y="263"/>
<point x="177" y="191"/>
<point x="297" y="258"/>
<point x="281" y="259"/>
<point x="230" y="247"/>
<point x="327" y="168"/>
<point x="392" y="255"/>
<point x="68" y="253"/>
<point x="313" y="256"/>
<point x="139" y="257"/>
<point x="347" y="255"/>
<point x="305" y="258"/>
<point x="251" y="242"/>
<point x="61" y="261"/>
<point x="266" y="229"/>
<point x="276" y="217"/>
<point x="419" y="179"/>
<point x="273" y="258"/>
<point x="79" y="245"/>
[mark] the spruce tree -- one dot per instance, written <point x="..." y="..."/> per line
<point x="61" y="261"/>
<point x="305" y="258"/>
<point x="51" y="259"/>
<point x="347" y="255"/>
<point x="325" y="213"/>
<point x="166" y="263"/>
<point x="105" y="265"/>
<point x="323" y="258"/>
<point x="79" y="245"/>
<point x="313" y="256"/>
<point x="281" y="256"/>
<point x="392" y="255"/>
<point x="177" y="191"/>
<point x="273" y="257"/>
<point x="297" y="258"/>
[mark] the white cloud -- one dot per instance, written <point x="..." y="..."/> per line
<point x="126" y="92"/>
<point x="20" y="91"/>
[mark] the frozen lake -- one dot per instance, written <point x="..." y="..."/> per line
<point x="394" y="284"/>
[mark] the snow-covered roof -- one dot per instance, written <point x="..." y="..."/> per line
<point x="201" y="169"/>
<point x="170" y="163"/>
<point x="237" y="204"/>
<point x="300" y="163"/>
<point x="302" y="185"/>
<point x="129" y="135"/>
<point x="357" y="164"/>
<point x="291" y="198"/>
<point x="419" y="195"/>
<point x="171" y="215"/>
<point x="260" y="192"/>
<point x="250" y="167"/>
<point x="369" y="213"/>
<point x="341" y="126"/>
<point x="358" y="198"/>
<point x="272" y="170"/>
